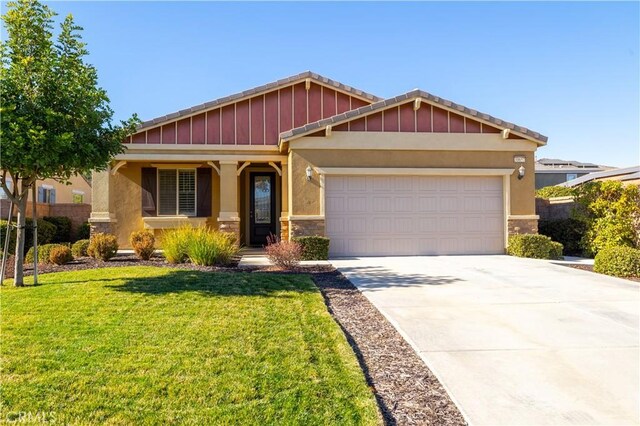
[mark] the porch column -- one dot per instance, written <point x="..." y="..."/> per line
<point x="102" y="217"/>
<point x="229" y="219"/>
<point x="284" y="201"/>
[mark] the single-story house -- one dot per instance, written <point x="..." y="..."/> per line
<point x="306" y="155"/>
<point x="627" y="175"/>
<point x="553" y="171"/>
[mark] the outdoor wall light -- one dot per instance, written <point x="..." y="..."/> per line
<point x="520" y="172"/>
<point x="309" y="172"/>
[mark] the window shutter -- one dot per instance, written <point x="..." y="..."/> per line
<point x="40" y="194"/>
<point x="204" y="192"/>
<point x="149" y="191"/>
<point x="52" y="199"/>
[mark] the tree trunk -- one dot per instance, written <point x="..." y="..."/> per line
<point x="18" y="270"/>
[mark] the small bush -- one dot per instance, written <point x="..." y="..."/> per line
<point x="314" y="248"/>
<point x="208" y="247"/>
<point x="284" y="254"/>
<point x="44" y="253"/>
<point x="46" y="231"/>
<point x="84" y="232"/>
<point x="568" y="232"/>
<point x="618" y="261"/>
<point x="554" y="191"/>
<point x="63" y="228"/>
<point x="174" y="244"/>
<point x="102" y="246"/>
<point x="143" y="244"/>
<point x="79" y="248"/>
<point x="534" y="246"/>
<point x="60" y="255"/>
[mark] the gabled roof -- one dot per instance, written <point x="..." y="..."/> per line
<point x="409" y="97"/>
<point x="627" y="173"/>
<point x="258" y="91"/>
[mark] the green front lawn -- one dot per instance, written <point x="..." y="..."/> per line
<point x="155" y="345"/>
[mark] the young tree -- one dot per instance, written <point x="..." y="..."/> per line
<point x="55" y="121"/>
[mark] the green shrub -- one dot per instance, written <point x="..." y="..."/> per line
<point x="554" y="191"/>
<point x="534" y="246"/>
<point x="46" y="232"/>
<point x="314" y="248"/>
<point x="555" y="250"/>
<point x="568" y="232"/>
<point x="102" y="246"/>
<point x="610" y="211"/>
<point x="60" y="255"/>
<point x="202" y="246"/>
<point x="143" y="244"/>
<point x="618" y="261"/>
<point x="208" y="247"/>
<point x="84" y="231"/>
<point x="44" y="253"/>
<point x="79" y="248"/>
<point x="174" y="244"/>
<point x="63" y="228"/>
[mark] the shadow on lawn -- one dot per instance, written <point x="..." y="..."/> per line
<point x="216" y="284"/>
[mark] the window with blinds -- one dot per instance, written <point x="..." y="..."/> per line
<point x="176" y="192"/>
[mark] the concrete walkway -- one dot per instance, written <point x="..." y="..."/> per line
<point x="515" y="341"/>
<point x="256" y="258"/>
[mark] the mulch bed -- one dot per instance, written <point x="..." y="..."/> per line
<point x="590" y="269"/>
<point x="119" y="260"/>
<point x="406" y="390"/>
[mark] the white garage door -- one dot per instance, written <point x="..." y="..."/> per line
<point x="411" y="215"/>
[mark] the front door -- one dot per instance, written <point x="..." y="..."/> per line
<point x="262" y="207"/>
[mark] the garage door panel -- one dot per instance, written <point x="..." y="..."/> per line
<point x="473" y="204"/>
<point x="449" y="204"/>
<point x="382" y="203"/>
<point x="399" y="215"/>
<point x="335" y="226"/>
<point x="356" y="184"/>
<point x="427" y="204"/>
<point x="448" y="184"/>
<point x="403" y="204"/>
<point x="357" y="204"/>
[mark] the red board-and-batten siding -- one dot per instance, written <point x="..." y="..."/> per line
<point x="255" y="121"/>
<point x="427" y="118"/>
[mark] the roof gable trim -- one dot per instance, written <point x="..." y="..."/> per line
<point x="411" y="97"/>
<point x="257" y="91"/>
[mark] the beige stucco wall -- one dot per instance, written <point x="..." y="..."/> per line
<point x="305" y="196"/>
<point x="64" y="193"/>
<point x="126" y="202"/>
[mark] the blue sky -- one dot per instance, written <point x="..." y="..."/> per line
<point x="567" y="70"/>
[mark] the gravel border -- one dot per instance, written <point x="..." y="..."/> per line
<point x="590" y="269"/>
<point x="407" y="391"/>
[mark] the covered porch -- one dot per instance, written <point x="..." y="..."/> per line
<point x="246" y="195"/>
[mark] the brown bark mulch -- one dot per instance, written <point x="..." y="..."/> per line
<point x="590" y="269"/>
<point x="407" y="392"/>
<point x="119" y="260"/>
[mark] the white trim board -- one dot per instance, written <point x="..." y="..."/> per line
<point x="412" y="171"/>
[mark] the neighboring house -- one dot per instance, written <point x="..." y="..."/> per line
<point x="306" y="155"/>
<point x="552" y="171"/>
<point x="626" y="175"/>
<point x="49" y="191"/>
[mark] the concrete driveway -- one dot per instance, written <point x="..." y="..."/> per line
<point x="515" y="341"/>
